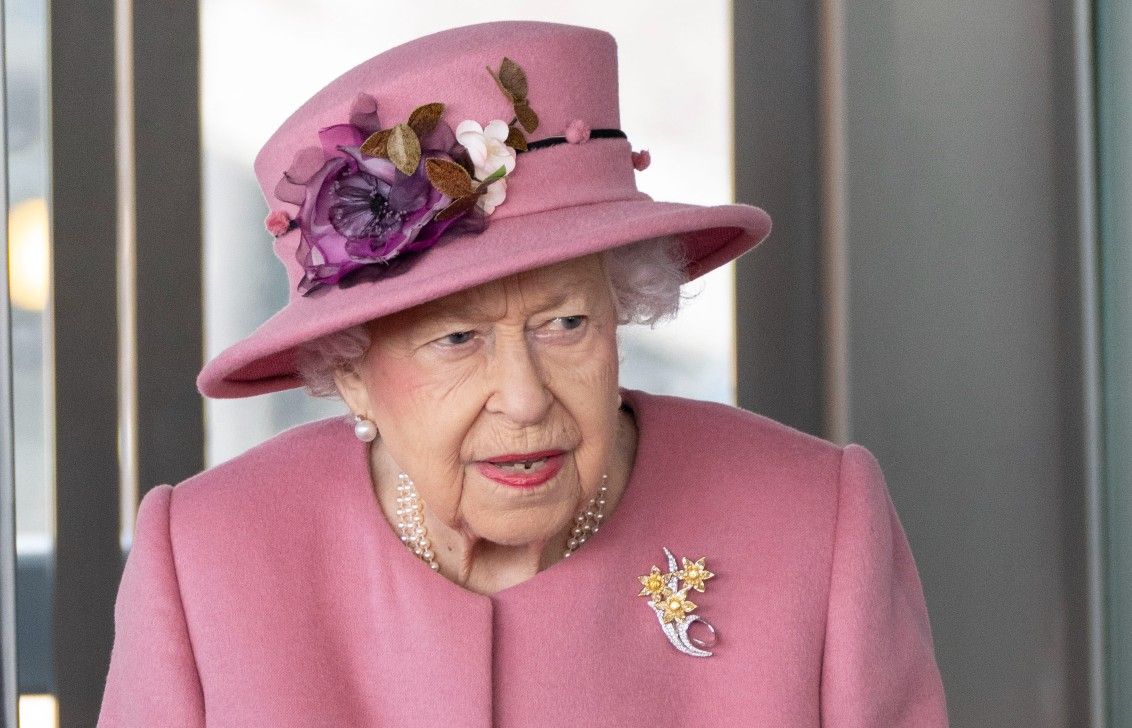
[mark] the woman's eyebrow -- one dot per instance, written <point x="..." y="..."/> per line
<point x="472" y="310"/>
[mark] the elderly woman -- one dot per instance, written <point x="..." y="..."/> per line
<point x="497" y="533"/>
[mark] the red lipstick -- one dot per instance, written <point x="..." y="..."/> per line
<point x="541" y="467"/>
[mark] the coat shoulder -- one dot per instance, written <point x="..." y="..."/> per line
<point x="747" y="467"/>
<point x="282" y="463"/>
<point x="732" y="432"/>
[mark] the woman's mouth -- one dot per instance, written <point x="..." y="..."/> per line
<point x="522" y="470"/>
<point x="522" y="466"/>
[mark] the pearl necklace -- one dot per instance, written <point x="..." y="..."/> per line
<point x="410" y="520"/>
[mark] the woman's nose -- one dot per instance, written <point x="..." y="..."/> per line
<point x="519" y="385"/>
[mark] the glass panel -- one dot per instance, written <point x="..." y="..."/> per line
<point x="1114" y="98"/>
<point x="29" y="278"/>
<point x="675" y="80"/>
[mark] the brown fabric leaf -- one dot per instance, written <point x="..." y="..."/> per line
<point x="448" y="177"/>
<point x="512" y="81"/>
<point x="424" y="118"/>
<point x="526" y="116"/>
<point x="516" y="139"/>
<point x="508" y="94"/>
<point x="458" y="206"/>
<point x="512" y="77"/>
<point x="375" y="145"/>
<point x="404" y="148"/>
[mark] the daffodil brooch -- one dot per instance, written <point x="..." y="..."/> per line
<point x="673" y="607"/>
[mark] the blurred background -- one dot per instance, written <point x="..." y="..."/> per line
<point x="945" y="284"/>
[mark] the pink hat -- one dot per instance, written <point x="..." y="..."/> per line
<point x="403" y="181"/>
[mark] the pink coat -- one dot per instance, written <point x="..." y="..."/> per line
<point x="270" y="591"/>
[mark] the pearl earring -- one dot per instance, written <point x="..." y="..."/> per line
<point x="364" y="429"/>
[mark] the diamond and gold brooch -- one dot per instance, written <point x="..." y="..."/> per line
<point x="673" y="607"/>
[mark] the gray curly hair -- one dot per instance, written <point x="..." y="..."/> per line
<point x="645" y="275"/>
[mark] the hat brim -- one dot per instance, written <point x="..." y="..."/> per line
<point x="263" y="362"/>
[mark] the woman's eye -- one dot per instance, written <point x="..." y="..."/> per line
<point x="561" y="325"/>
<point x="457" y="338"/>
<point x="571" y="322"/>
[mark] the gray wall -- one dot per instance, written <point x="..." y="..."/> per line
<point x="956" y="255"/>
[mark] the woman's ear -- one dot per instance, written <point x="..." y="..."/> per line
<point x="352" y="390"/>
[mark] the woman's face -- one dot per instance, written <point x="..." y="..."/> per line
<point x="520" y="368"/>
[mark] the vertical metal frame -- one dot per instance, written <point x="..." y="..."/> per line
<point x="8" y="687"/>
<point x="169" y="237"/>
<point x="1113" y="87"/>
<point x="84" y="347"/>
<point x="834" y="255"/>
<point x="1075" y="136"/>
<point x="779" y="310"/>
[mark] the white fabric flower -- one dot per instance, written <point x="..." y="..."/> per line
<point x="486" y="146"/>
<point x="494" y="195"/>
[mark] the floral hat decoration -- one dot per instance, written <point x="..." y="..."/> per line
<point x="378" y="203"/>
<point x="369" y="194"/>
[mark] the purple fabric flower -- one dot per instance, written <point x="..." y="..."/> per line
<point x="356" y="210"/>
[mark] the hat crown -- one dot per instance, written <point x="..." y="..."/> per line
<point x="571" y="69"/>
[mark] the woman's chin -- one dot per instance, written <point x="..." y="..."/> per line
<point x="513" y="516"/>
<point x="522" y="528"/>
